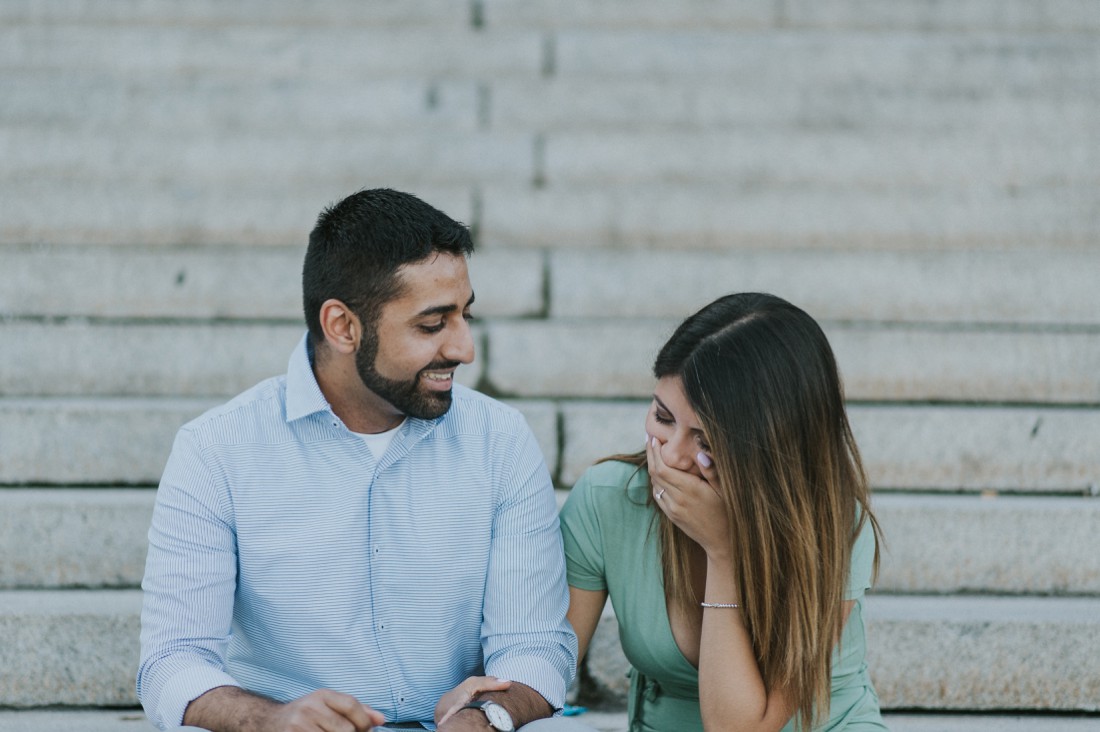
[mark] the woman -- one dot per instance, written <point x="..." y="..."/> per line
<point x="737" y="546"/>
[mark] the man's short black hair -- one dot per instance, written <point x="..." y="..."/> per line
<point x="359" y="244"/>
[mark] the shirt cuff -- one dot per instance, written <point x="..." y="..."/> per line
<point x="185" y="687"/>
<point x="541" y="675"/>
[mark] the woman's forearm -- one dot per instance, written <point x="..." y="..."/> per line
<point x="732" y="693"/>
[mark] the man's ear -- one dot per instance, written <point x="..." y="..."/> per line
<point x="342" y="328"/>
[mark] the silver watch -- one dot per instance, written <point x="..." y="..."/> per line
<point x="498" y="716"/>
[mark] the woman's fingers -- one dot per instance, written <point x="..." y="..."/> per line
<point x="656" y="468"/>
<point x="707" y="468"/>
<point x="465" y="692"/>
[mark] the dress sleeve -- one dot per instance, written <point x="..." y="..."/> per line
<point x="583" y="538"/>
<point x="862" y="564"/>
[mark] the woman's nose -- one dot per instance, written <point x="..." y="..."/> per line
<point x="679" y="453"/>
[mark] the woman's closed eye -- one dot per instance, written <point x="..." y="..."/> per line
<point x="662" y="417"/>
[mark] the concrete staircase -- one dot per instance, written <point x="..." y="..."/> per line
<point x="920" y="176"/>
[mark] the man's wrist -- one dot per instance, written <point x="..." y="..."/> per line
<point x="468" y="718"/>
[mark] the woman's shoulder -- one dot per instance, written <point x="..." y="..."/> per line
<point x="612" y="481"/>
<point x="613" y="473"/>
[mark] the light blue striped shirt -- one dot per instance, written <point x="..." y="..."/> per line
<point x="283" y="558"/>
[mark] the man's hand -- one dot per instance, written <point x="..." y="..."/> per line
<point x="325" y="711"/>
<point x="231" y="709"/>
<point x="464" y="693"/>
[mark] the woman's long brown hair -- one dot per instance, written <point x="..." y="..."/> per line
<point x="762" y="379"/>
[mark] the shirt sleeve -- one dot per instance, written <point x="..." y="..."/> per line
<point x="862" y="564"/>
<point x="189" y="587"/>
<point x="583" y="538"/>
<point x="525" y="636"/>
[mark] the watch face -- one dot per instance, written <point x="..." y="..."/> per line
<point x="498" y="716"/>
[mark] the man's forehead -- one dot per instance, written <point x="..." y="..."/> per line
<point x="440" y="280"/>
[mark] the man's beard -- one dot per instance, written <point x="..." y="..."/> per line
<point x="408" y="397"/>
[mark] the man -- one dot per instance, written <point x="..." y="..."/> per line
<point x="360" y="540"/>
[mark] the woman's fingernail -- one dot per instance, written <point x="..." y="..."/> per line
<point x="704" y="459"/>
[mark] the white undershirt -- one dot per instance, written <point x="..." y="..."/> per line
<point x="380" y="442"/>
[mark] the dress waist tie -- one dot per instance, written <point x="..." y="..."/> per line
<point x="642" y="689"/>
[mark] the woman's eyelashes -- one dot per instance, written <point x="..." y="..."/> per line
<point x="661" y="417"/>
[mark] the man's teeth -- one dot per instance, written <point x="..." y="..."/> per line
<point x="437" y="377"/>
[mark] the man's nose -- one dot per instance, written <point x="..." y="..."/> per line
<point x="460" y="347"/>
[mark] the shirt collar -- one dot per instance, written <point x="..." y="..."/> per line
<point x="303" y="393"/>
<point x="304" y="396"/>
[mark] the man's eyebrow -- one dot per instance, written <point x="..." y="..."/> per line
<point x="443" y="309"/>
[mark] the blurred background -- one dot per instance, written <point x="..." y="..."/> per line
<point x="921" y="176"/>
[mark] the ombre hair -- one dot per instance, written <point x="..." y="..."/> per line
<point x="762" y="379"/>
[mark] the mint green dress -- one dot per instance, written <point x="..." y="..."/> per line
<point x="609" y="547"/>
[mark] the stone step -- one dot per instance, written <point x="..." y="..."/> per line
<point x="211" y="13"/>
<point x="79" y="648"/>
<point x="981" y="15"/>
<point x="671" y="216"/>
<point x="573" y="103"/>
<point x="176" y="211"/>
<point x="69" y="648"/>
<point x="953" y="653"/>
<point x="133" y="719"/>
<point x="667" y="216"/>
<point x="214" y="282"/>
<point x="683" y="215"/>
<point x="90" y="441"/>
<point x="617" y="722"/>
<point x="853" y="159"/>
<point x="965" y="653"/>
<point x="225" y="158"/>
<point x="924" y="448"/>
<point x="1016" y="286"/>
<point x="111" y="441"/>
<point x="874" y="60"/>
<point x="145" y="359"/>
<point x="451" y="47"/>
<point x="1067" y="16"/>
<point x="887" y="362"/>
<point x="188" y="106"/>
<point x="526" y="359"/>
<point x="1013" y="287"/>
<point x="53" y="538"/>
<point x="287" y="50"/>
<point x="857" y="159"/>
<point x="991" y="544"/>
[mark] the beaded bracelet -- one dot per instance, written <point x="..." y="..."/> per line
<point x="719" y="604"/>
